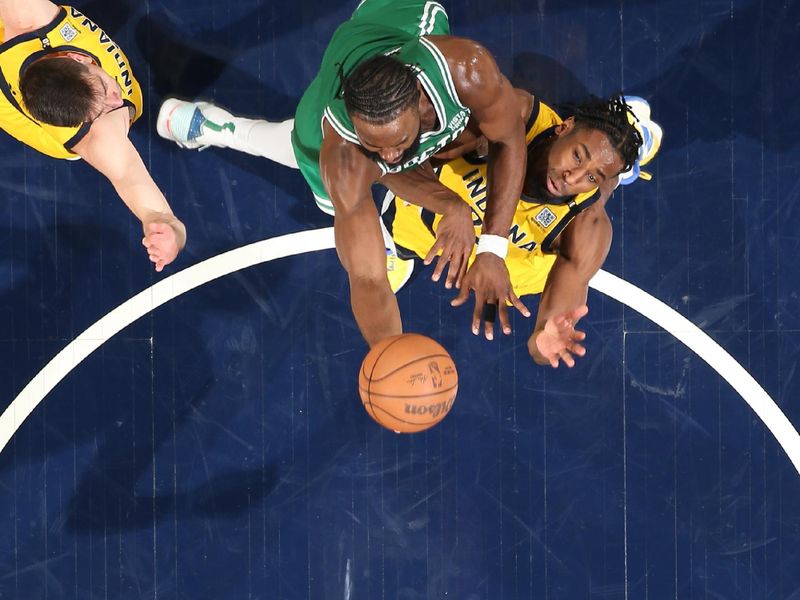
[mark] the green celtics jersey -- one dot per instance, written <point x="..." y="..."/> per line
<point x="432" y="72"/>
<point x="389" y="27"/>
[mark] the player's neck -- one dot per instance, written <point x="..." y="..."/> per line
<point x="427" y="114"/>
<point x="537" y="168"/>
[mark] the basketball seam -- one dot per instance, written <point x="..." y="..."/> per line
<point x="369" y="378"/>
<point x="453" y="387"/>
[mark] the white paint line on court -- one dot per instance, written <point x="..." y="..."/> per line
<point x="322" y="239"/>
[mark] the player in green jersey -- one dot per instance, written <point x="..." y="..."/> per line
<point x="394" y="90"/>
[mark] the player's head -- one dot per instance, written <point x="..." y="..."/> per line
<point x="595" y="144"/>
<point x="382" y="98"/>
<point x="67" y="89"/>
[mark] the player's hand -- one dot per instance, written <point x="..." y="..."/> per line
<point x="455" y="237"/>
<point x="559" y="340"/>
<point x="163" y="241"/>
<point x="488" y="277"/>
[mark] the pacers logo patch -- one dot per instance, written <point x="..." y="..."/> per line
<point x="545" y="217"/>
<point x="68" y="32"/>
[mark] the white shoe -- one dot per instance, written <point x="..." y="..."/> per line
<point x="651" y="133"/>
<point x="194" y="124"/>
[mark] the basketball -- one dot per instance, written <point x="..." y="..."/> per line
<point x="408" y="383"/>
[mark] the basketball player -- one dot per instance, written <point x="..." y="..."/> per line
<point x="68" y="92"/>
<point x="393" y="90"/>
<point x="561" y="233"/>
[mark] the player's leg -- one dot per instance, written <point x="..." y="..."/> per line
<point x="202" y="124"/>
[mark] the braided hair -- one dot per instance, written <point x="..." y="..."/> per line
<point x="380" y="89"/>
<point x="610" y="116"/>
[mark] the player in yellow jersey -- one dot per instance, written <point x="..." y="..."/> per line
<point x="561" y="233"/>
<point x="67" y="90"/>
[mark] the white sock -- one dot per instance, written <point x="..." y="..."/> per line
<point x="253" y="136"/>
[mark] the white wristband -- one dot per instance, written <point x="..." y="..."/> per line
<point x="496" y="244"/>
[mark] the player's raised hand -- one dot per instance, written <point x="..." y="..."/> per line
<point x="488" y="277"/>
<point x="163" y="241"/>
<point x="455" y="238"/>
<point x="559" y="340"/>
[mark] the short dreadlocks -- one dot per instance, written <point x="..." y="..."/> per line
<point x="610" y="116"/>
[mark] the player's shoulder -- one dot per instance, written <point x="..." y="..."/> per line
<point x="20" y="19"/>
<point x="472" y="67"/>
<point x="466" y="53"/>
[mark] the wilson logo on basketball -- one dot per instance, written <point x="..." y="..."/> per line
<point x="434" y="410"/>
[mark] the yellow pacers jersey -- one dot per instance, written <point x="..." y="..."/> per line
<point x="535" y="227"/>
<point x="69" y="31"/>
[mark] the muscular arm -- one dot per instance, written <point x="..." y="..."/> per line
<point x="348" y="176"/>
<point x="420" y="186"/>
<point x="20" y="16"/>
<point x="107" y="148"/>
<point x="583" y="248"/>
<point x="495" y="107"/>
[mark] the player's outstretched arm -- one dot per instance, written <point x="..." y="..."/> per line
<point x="455" y="235"/>
<point x="348" y="175"/>
<point x="583" y="248"/>
<point x="495" y="108"/>
<point x="107" y="148"/>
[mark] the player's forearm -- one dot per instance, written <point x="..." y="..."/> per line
<point x="566" y="289"/>
<point x="505" y="176"/>
<point x="359" y="244"/>
<point x="375" y="309"/>
<point x="146" y="201"/>
<point x="422" y="188"/>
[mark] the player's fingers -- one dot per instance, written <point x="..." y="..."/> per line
<point x="454" y="272"/>
<point x="488" y="330"/>
<point x="553" y="358"/>
<point x="502" y="313"/>
<point x="578" y="335"/>
<point x="518" y="304"/>
<point x="437" y="245"/>
<point x="577" y="349"/>
<point x="476" y="313"/>
<point x="462" y="269"/>
<point x="463" y="296"/>
<point x="567" y="358"/>
<point x="489" y="316"/>
<point x="439" y="269"/>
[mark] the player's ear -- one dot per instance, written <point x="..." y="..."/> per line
<point x="565" y="126"/>
<point x="78" y="57"/>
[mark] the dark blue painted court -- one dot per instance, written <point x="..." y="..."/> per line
<point x="217" y="448"/>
